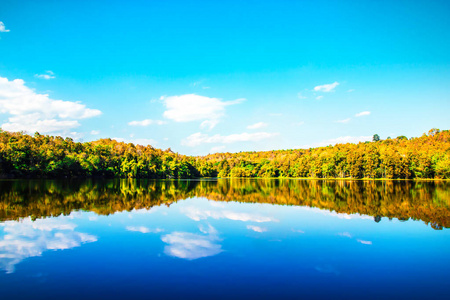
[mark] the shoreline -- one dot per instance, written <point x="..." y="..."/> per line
<point x="222" y="178"/>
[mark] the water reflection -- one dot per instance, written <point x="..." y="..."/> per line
<point x="256" y="228"/>
<point x="27" y="238"/>
<point x="222" y="239"/>
<point x="327" y="269"/>
<point x="197" y="214"/>
<point x="143" y="229"/>
<point x="426" y="201"/>
<point x="193" y="245"/>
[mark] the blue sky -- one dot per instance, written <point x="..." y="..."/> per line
<point x="207" y="76"/>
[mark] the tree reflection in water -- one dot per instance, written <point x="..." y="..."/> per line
<point x="404" y="200"/>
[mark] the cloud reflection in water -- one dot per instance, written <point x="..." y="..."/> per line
<point x="191" y="246"/>
<point x="256" y="228"/>
<point x="143" y="229"/>
<point x="28" y="238"/>
<point x="198" y="214"/>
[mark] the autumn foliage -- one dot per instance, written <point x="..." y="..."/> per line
<point x="417" y="200"/>
<point x="401" y="158"/>
<point x="425" y="157"/>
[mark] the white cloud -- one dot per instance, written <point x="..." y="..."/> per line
<point x="349" y="139"/>
<point x="76" y="136"/>
<point x="146" y="122"/>
<point x="256" y="228"/>
<point x="344" y="121"/>
<point x="257" y="125"/>
<point x="95" y="132"/>
<point x="33" y="123"/>
<point x="200" y="138"/>
<point x="191" y="107"/>
<point x="319" y="97"/>
<point x="37" y="112"/>
<point x="326" y="87"/>
<point x="209" y="124"/>
<point x="48" y="75"/>
<point x="350" y="90"/>
<point x="298" y="123"/>
<point x="365" y="242"/>
<point x="345" y="234"/>
<point x="363" y="113"/>
<point x="217" y="149"/>
<point x="29" y="238"/>
<point x="143" y="229"/>
<point x="300" y="96"/>
<point x="143" y="142"/>
<point x="191" y="246"/>
<point x="339" y="140"/>
<point x="200" y="84"/>
<point x="3" y="28"/>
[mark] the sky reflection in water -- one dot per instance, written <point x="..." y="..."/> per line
<point x="204" y="248"/>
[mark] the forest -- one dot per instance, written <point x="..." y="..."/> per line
<point x="44" y="156"/>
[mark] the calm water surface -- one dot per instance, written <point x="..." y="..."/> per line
<point x="236" y="239"/>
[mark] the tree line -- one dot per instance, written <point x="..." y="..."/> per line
<point x="425" y="157"/>
<point x="22" y="155"/>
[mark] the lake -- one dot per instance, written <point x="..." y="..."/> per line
<point x="225" y="238"/>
